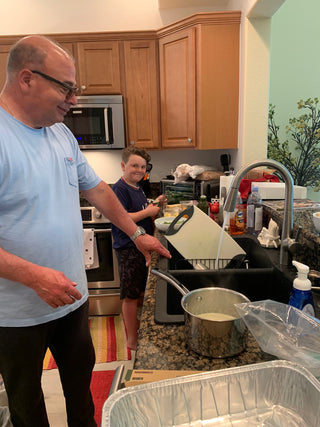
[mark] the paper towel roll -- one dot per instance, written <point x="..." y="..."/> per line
<point x="225" y="182"/>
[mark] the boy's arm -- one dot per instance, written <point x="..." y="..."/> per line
<point x="151" y="210"/>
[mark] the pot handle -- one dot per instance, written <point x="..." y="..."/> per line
<point x="172" y="280"/>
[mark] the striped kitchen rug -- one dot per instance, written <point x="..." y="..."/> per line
<point x="109" y="340"/>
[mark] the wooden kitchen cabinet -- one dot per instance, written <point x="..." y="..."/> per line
<point x="177" y="89"/>
<point x="180" y="83"/>
<point x="99" y="67"/>
<point x="199" y="81"/>
<point x="4" y="50"/>
<point x="141" y="93"/>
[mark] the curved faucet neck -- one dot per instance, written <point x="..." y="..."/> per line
<point x="287" y="224"/>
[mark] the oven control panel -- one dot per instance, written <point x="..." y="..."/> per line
<point x="91" y="215"/>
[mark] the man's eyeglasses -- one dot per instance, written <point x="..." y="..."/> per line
<point x="69" y="90"/>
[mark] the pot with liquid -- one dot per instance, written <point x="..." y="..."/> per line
<point x="213" y="326"/>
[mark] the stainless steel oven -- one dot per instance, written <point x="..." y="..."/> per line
<point x="103" y="281"/>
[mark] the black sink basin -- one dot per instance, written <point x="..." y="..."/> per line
<point x="258" y="278"/>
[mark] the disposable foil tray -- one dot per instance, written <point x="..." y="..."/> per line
<point x="277" y="393"/>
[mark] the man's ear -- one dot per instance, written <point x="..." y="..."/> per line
<point x="25" y="77"/>
<point x="123" y="165"/>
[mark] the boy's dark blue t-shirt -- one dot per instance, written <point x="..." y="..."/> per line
<point x="133" y="200"/>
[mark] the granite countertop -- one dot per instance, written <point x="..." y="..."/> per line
<point x="302" y="218"/>
<point x="163" y="346"/>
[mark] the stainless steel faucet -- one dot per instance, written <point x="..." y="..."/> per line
<point x="287" y="224"/>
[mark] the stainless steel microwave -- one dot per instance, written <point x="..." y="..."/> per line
<point x="97" y="122"/>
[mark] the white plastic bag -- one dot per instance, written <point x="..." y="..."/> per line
<point x="5" y="417"/>
<point x="284" y="331"/>
<point x="185" y="171"/>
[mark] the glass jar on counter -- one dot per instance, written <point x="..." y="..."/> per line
<point x="203" y="204"/>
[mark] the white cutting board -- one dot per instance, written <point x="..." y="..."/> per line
<point x="198" y="237"/>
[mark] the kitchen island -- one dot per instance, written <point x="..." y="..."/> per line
<point x="163" y="346"/>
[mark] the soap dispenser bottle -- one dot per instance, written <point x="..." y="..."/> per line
<point x="301" y="294"/>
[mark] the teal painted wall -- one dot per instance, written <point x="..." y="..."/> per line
<point x="294" y="61"/>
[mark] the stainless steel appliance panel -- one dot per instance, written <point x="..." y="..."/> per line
<point x="190" y="190"/>
<point x="103" y="281"/>
<point x="107" y="274"/>
<point x="97" y="122"/>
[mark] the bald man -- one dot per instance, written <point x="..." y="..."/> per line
<point x="43" y="287"/>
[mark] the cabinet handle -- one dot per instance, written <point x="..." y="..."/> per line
<point x="131" y="142"/>
<point x="83" y="87"/>
<point x="189" y="140"/>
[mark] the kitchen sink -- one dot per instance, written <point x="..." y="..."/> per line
<point x="258" y="278"/>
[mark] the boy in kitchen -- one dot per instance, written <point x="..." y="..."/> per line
<point x="132" y="266"/>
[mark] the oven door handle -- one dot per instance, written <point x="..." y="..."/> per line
<point x="102" y="230"/>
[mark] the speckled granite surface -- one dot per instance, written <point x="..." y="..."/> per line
<point x="309" y="239"/>
<point x="163" y="346"/>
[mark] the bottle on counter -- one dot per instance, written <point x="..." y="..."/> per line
<point x="237" y="217"/>
<point x="214" y="209"/>
<point x="203" y="204"/>
<point x="254" y="212"/>
<point x="301" y="294"/>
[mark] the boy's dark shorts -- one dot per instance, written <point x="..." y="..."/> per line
<point x="132" y="271"/>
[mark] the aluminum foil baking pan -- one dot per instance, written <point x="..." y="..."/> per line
<point x="277" y="393"/>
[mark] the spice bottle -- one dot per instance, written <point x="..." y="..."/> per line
<point x="214" y="209"/>
<point x="203" y="204"/>
<point x="237" y="217"/>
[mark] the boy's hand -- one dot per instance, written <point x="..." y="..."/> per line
<point x="152" y="210"/>
<point x="160" y="201"/>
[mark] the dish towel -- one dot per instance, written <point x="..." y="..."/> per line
<point x="91" y="259"/>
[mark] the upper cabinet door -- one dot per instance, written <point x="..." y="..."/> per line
<point x="4" y="50"/>
<point x="142" y="98"/>
<point x="99" y="67"/>
<point x="177" y="89"/>
<point x="199" y="81"/>
<point x="218" y="84"/>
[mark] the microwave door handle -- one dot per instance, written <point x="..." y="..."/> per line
<point x="110" y="125"/>
<point x="106" y="124"/>
<point x="108" y="119"/>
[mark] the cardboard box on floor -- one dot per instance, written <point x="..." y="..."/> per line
<point x="139" y="376"/>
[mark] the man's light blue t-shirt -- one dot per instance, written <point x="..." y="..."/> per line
<point x="41" y="173"/>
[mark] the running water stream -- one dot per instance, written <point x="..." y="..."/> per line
<point x="226" y="217"/>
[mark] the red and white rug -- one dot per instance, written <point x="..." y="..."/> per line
<point x="100" y="386"/>
<point x="109" y="340"/>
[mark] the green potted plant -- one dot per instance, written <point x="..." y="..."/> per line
<point x="304" y="132"/>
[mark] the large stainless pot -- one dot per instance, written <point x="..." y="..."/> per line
<point x="214" y="338"/>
